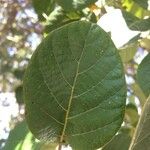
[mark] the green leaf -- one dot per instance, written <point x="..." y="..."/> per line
<point x="74" y="87"/>
<point x="20" y="138"/>
<point x="120" y="142"/>
<point x="128" y="51"/>
<point x="26" y="143"/>
<point x="16" y="136"/>
<point x="19" y="73"/>
<point x="142" y="3"/>
<point x="141" y="139"/>
<point x="70" y="5"/>
<point x="56" y="19"/>
<point x="44" y="6"/>
<point x="145" y="43"/>
<point x="131" y="114"/>
<point x="19" y="94"/>
<point x="134" y="23"/>
<point x="143" y="75"/>
<point x="139" y="93"/>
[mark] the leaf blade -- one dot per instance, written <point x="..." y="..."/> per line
<point x="65" y="63"/>
<point x="134" y="23"/>
<point x="142" y="134"/>
<point x="143" y="74"/>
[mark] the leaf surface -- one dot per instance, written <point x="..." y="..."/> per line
<point x="56" y="19"/>
<point x="143" y="75"/>
<point x="127" y="52"/>
<point x="134" y="23"/>
<point x="16" y="136"/>
<point x="74" y="87"/>
<point x="142" y="3"/>
<point x="19" y="94"/>
<point x="131" y="115"/>
<point x="120" y="142"/>
<point x="141" y="138"/>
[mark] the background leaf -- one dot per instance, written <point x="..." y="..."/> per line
<point x="44" y="6"/>
<point x="56" y="19"/>
<point x="20" y="138"/>
<point x="134" y="23"/>
<point x="143" y="75"/>
<point x="131" y="115"/>
<point x="145" y="43"/>
<point x="16" y="136"/>
<point x="19" y="94"/>
<point x="67" y="83"/>
<point x="142" y="3"/>
<point x="120" y="141"/>
<point x="141" y="139"/>
<point x="139" y="93"/>
<point x="128" y="51"/>
<point x="70" y="5"/>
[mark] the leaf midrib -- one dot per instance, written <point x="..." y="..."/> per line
<point x="72" y="90"/>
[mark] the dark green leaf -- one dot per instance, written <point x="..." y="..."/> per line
<point x="143" y="75"/>
<point x="141" y="139"/>
<point x="142" y="3"/>
<point x="119" y="142"/>
<point x="57" y="19"/>
<point x="134" y="23"/>
<point x="92" y="18"/>
<point x="19" y="94"/>
<point x="74" y="87"/>
<point x="44" y="6"/>
<point x="19" y="73"/>
<point x="70" y="5"/>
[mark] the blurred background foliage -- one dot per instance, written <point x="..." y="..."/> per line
<point x="24" y="23"/>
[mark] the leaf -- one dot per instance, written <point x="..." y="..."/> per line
<point x="141" y="139"/>
<point x="19" y="73"/>
<point x="142" y="3"/>
<point x="56" y="19"/>
<point x="20" y="138"/>
<point x="143" y="75"/>
<point x="26" y="143"/>
<point x="145" y="43"/>
<point x="46" y="6"/>
<point x="127" y="52"/>
<point x="70" y="5"/>
<point x="16" y="136"/>
<point x="19" y="94"/>
<point x="131" y="114"/>
<point x="120" y="142"/>
<point x="74" y="87"/>
<point x="134" y="8"/>
<point x="139" y="93"/>
<point x="134" y="23"/>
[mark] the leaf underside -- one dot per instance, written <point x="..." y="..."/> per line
<point x="136" y="24"/>
<point x="143" y="75"/>
<point x="120" y="142"/>
<point x="141" y="138"/>
<point x="74" y="87"/>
